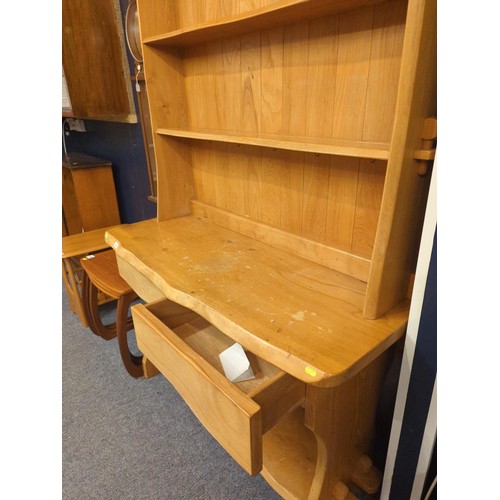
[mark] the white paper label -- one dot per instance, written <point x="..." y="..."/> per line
<point x="235" y="364"/>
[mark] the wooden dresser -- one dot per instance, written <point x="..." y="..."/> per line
<point x="290" y="206"/>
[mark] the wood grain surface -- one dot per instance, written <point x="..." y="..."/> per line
<point x="303" y="317"/>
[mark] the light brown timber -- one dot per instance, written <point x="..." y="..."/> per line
<point x="401" y="213"/>
<point x="289" y="214"/>
<point x="294" y="313"/>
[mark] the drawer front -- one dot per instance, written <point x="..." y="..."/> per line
<point x="233" y="418"/>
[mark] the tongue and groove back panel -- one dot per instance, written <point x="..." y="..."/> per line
<point x="289" y="123"/>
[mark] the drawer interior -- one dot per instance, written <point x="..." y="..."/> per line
<point x="208" y="341"/>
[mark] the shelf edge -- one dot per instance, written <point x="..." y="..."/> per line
<point x="284" y="12"/>
<point x="356" y="149"/>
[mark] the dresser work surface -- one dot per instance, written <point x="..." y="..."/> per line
<point x="300" y="316"/>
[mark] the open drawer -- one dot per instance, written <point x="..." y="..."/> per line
<point x="185" y="348"/>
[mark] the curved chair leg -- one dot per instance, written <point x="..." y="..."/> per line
<point x="91" y="306"/>
<point x="132" y="363"/>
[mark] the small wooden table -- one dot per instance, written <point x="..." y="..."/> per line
<point x="75" y="247"/>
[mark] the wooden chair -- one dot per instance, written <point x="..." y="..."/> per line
<point x="101" y="275"/>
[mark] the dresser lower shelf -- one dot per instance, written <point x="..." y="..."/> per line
<point x="322" y="450"/>
<point x="290" y="455"/>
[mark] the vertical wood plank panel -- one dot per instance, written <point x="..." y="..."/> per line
<point x="204" y="172"/>
<point x="157" y="16"/>
<point x="236" y="181"/>
<point x="164" y="75"/>
<point x="272" y="80"/>
<point x="271" y="122"/>
<point x="199" y="82"/>
<point x="316" y="175"/>
<point x="385" y="63"/>
<point x="253" y="175"/>
<point x="212" y="11"/>
<point x="167" y="98"/>
<point x="323" y="40"/>
<point x="342" y="188"/>
<point x="272" y="174"/>
<point x="216" y="64"/>
<point x="248" y="5"/>
<point x="295" y="58"/>
<point x="251" y="82"/>
<point x="292" y="192"/>
<point x="219" y="166"/>
<point x="368" y="201"/>
<point x="191" y="83"/>
<point x="267" y="81"/>
<point x="233" y="94"/>
<point x="352" y="73"/>
<point x="192" y="13"/>
<point x="174" y="169"/>
<point x="228" y="7"/>
<point x="199" y="180"/>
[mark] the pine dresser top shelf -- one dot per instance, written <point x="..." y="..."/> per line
<point x="301" y="316"/>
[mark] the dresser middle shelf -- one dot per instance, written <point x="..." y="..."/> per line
<point x="298" y="315"/>
<point x="319" y="145"/>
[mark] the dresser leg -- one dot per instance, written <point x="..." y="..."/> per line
<point x="343" y="421"/>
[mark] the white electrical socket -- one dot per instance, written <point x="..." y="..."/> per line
<point x="76" y="125"/>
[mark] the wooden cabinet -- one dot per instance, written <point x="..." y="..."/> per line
<point x="289" y="204"/>
<point x="94" y="61"/>
<point x="88" y="194"/>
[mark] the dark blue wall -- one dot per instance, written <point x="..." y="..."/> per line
<point x="418" y="399"/>
<point x="122" y="144"/>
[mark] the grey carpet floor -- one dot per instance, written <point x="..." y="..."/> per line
<point x="124" y="438"/>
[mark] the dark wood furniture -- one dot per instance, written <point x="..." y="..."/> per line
<point x="75" y="247"/>
<point x="94" y="61"/>
<point x="88" y="194"/>
<point x="101" y="274"/>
